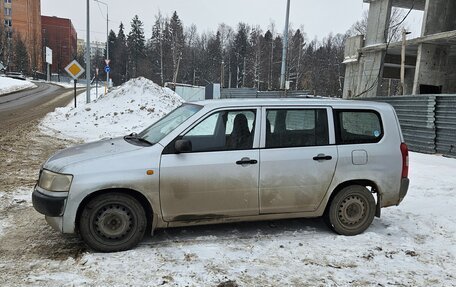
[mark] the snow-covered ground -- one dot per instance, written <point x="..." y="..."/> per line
<point x="9" y="85"/>
<point x="413" y="244"/>
<point x="129" y="108"/>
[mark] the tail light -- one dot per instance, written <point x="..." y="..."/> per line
<point x="405" y="160"/>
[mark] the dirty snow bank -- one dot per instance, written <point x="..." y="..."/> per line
<point x="129" y="108"/>
<point x="8" y="85"/>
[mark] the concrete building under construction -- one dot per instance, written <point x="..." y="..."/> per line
<point x="429" y="61"/>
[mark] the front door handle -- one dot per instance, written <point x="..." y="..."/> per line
<point x="246" y="160"/>
<point x="322" y="157"/>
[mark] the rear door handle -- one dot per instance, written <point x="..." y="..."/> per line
<point x="246" y="160"/>
<point x="322" y="157"/>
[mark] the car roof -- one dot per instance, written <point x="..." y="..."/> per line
<point x="316" y="101"/>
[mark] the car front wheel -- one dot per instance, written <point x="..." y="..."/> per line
<point x="112" y="222"/>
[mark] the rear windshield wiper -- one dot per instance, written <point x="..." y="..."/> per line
<point x="134" y="136"/>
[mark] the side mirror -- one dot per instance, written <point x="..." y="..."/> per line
<point x="183" y="146"/>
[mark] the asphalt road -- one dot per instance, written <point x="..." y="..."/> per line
<point x="25" y="106"/>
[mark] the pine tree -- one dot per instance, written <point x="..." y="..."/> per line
<point x="276" y="63"/>
<point x="267" y="49"/>
<point x="120" y="54"/>
<point x="112" y="39"/>
<point x="176" y="31"/>
<point x="239" y="54"/>
<point x="201" y="73"/>
<point x="136" y="46"/>
<point x="214" y="57"/>
<point x="3" y="45"/>
<point x="21" y="57"/>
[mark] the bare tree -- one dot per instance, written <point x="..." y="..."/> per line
<point x="394" y="29"/>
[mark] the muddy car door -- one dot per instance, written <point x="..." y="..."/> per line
<point x="298" y="159"/>
<point x="211" y="170"/>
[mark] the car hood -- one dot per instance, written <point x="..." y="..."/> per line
<point x="88" y="151"/>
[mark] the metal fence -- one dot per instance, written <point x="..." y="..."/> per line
<point x="445" y="121"/>
<point x="428" y="122"/>
<point x="254" y="93"/>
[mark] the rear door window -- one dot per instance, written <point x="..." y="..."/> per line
<point x="296" y="128"/>
<point x="358" y="126"/>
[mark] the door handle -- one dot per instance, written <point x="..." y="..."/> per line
<point x="322" y="157"/>
<point x="246" y="160"/>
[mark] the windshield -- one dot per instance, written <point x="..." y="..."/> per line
<point x="167" y="124"/>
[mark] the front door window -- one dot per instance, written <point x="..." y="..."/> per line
<point x="225" y="130"/>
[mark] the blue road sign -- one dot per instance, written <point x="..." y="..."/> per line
<point x="107" y="69"/>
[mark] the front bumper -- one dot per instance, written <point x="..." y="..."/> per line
<point x="51" y="206"/>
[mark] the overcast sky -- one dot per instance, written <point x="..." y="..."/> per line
<point x="318" y="17"/>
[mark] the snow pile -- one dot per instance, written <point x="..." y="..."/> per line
<point x="8" y="85"/>
<point x="129" y="108"/>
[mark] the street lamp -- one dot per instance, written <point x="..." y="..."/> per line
<point x="107" y="41"/>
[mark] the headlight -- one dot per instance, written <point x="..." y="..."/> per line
<point x="52" y="181"/>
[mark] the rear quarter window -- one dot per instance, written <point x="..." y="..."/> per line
<point x="358" y="126"/>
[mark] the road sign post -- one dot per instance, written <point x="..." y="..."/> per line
<point x="107" y="70"/>
<point x="107" y="61"/>
<point x="75" y="82"/>
<point x="75" y="70"/>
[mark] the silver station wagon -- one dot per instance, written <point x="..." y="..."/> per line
<point x="227" y="161"/>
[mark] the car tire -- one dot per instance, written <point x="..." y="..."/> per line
<point x="351" y="211"/>
<point x="112" y="222"/>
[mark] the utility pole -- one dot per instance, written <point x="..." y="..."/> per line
<point x="285" y="48"/>
<point x="404" y="44"/>
<point x="88" y="54"/>
<point x="107" y="43"/>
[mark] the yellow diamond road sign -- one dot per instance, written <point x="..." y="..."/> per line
<point x="74" y="69"/>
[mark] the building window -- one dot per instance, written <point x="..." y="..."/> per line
<point x="7" y="11"/>
<point x="8" y="22"/>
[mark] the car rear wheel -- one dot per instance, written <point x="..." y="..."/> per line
<point x="351" y="211"/>
<point x="112" y="222"/>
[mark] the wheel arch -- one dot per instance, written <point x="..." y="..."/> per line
<point x="363" y="182"/>
<point x="150" y="217"/>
